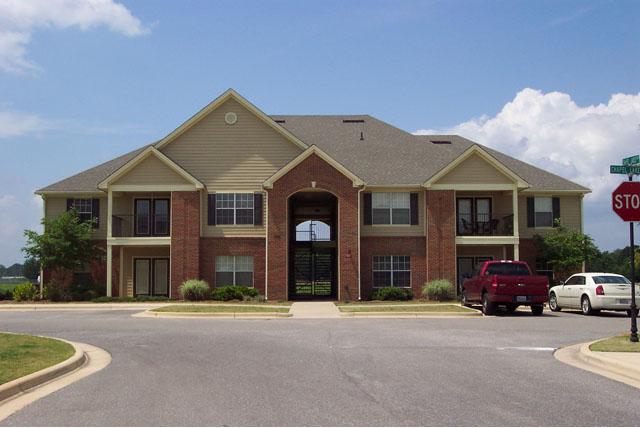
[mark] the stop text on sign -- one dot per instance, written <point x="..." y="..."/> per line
<point x="626" y="201"/>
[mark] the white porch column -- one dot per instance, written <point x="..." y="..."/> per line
<point x="516" y="232"/>
<point x="109" y="268"/>
<point x="109" y="212"/>
<point x="516" y="252"/>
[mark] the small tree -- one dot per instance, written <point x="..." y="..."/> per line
<point x="64" y="244"/>
<point x="565" y="248"/>
<point x="31" y="269"/>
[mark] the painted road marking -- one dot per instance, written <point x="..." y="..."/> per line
<point x="527" y="348"/>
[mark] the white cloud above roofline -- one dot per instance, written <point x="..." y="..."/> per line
<point x="551" y="131"/>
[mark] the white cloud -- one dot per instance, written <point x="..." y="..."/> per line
<point x="551" y="131"/>
<point x="13" y="123"/>
<point x="19" y="18"/>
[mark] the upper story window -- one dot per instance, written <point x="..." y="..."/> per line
<point x="391" y="208"/>
<point x="543" y="212"/>
<point x="234" y="208"/>
<point x="87" y="209"/>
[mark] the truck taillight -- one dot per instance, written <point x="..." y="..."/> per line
<point x="494" y="281"/>
<point x="600" y="290"/>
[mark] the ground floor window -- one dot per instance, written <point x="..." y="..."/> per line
<point x="545" y="268"/>
<point x="391" y="271"/>
<point x="234" y="270"/>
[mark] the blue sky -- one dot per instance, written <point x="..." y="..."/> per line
<point x="79" y="86"/>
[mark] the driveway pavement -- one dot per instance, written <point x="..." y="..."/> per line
<point x="477" y="371"/>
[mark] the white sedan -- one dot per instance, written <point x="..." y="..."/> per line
<point x="591" y="292"/>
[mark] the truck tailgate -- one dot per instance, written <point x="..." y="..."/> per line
<point x="522" y="285"/>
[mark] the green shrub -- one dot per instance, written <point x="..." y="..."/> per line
<point x="439" y="289"/>
<point x="58" y="291"/>
<point x="87" y="291"/>
<point x="393" y="293"/>
<point x="234" y="292"/>
<point x="194" y="289"/>
<point x="24" y="292"/>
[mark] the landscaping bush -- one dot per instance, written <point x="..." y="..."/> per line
<point x="58" y="291"/>
<point x="393" y="293"/>
<point x="234" y="292"/>
<point x="439" y="289"/>
<point x="24" y="292"/>
<point x="87" y="291"/>
<point x="194" y="289"/>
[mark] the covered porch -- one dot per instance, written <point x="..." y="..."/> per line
<point x="469" y="257"/>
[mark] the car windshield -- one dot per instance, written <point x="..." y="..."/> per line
<point x="509" y="269"/>
<point x="611" y="279"/>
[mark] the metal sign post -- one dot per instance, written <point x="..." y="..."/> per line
<point x="626" y="204"/>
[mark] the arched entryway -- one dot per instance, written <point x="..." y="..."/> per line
<point x="313" y="245"/>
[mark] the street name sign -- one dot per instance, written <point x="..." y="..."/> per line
<point x="633" y="160"/>
<point x="626" y="201"/>
<point x="624" y="169"/>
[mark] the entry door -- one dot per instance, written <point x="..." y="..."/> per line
<point x="465" y="269"/>
<point x="483" y="216"/>
<point x="313" y="272"/>
<point x="465" y="216"/>
<point x="151" y="276"/>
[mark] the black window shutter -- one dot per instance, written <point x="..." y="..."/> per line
<point x="556" y="210"/>
<point x="69" y="204"/>
<point x="367" y="209"/>
<point x="257" y="208"/>
<point x="413" y="205"/>
<point x="531" y="213"/>
<point x="211" y="209"/>
<point x="95" y="212"/>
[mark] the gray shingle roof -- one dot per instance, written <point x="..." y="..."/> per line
<point x="375" y="151"/>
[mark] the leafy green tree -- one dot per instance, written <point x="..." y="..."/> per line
<point x="31" y="268"/>
<point x="565" y="248"/>
<point x="64" y="244"/>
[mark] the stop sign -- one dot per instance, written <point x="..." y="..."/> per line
<point x="626" y="201"/>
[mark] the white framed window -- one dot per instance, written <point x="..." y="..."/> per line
<point x="391" y="271"/>
<point x="390" y="208"/>
<point x="234" y="270"/>
<point x="543" y="208"/>
<point x="84" y="209"/>
<point x="234" y="208"/>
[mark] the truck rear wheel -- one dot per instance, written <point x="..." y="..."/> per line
<point x="537" y="309"/>
<point x="488" y="307"/>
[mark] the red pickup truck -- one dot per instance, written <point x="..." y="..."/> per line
<point x="508" y="283"/>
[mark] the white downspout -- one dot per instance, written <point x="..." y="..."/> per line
<point x="359" y="255"/>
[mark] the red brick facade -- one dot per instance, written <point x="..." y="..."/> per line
<point x="413" y="246"/>
<point x="212" y="247"/>
<point x="185" y="238"/>
<point x="326" y="177"/>
<point x="441" y="236"/>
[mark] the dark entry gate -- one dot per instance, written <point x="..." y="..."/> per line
<point x="313" y="272"/>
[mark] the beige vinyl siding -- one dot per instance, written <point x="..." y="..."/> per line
<point x="475" y="170"/>
<point x="570" y="214"/>
<point x="228" y="230"/>
<point x="394" y="230"/>
<point x="231" y="157"/>
<point x="129" y="253"/>
<point x="56" y="205"/>
<point x="151" y="171"/>
<point x="494" y="251"/>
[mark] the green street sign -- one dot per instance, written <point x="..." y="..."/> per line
<point x="633" y="160"/>
<point x="624" y="169"/>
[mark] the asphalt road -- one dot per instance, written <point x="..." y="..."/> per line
<point x="477" y="371"/>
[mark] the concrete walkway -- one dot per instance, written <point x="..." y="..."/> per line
<point x="314" y="310"/>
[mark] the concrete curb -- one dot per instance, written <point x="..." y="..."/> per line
<point x="218" y="315"/>
<point x="409" y="314"/>
<point x="25" y="383"/>
<point x="598" y="362"/>
<point x="79" y="307"/>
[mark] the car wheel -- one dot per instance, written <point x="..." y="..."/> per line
<point x="488" y="307"/>
<point x="585" y="305"/>
<point x="553" y="303"/>
<point x="537" y="309"/>
<point x="511" y="308"/>
<point x="463" y="298"/>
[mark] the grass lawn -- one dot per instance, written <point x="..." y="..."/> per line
<point x="411" y="308"/>
<point x="219" y="308"/>
<point x="616" y="344"/>
<point x="395" y="302"/>
<point x="7" y="287"/>
<point x="21" y="355"/>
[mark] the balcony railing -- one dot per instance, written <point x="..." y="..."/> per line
<point x="127" y="225"/>
<point x="485" y="224"/>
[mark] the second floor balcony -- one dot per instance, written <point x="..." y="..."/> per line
<point x="484" y="224"/>
<point x="129" y="226"/>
